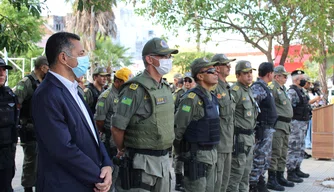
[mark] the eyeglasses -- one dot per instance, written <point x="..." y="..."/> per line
<point x="164" y="56"/>
<point x="209" y="71"/>
<point x="224" y="64"/>
<point x="188" y="81"/>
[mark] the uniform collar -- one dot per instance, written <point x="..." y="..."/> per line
<point x="223" y="84"/>
<point x="245" y="87"/>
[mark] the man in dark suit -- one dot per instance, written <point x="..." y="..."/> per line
<point x="71" y="155"/>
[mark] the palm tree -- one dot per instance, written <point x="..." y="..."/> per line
<point x="92" y="17"/>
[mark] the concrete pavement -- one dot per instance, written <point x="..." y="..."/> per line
<point x="318" y="169"/>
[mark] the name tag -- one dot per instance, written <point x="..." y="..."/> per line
<point x="161" y="100"/>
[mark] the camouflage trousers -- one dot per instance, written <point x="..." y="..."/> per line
<point x="296" y="144"/>
<point x="262" y="156"/>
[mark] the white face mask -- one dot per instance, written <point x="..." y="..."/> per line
<point x="165" y="66"/>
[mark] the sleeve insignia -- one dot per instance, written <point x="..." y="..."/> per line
<point x="186" y="108"/>
<point x="219" y="96"/>
<point x="85" y="90"/>
<point x="115" y="100"/>
<point x="200" y="102"/>
<point x="127" y="101"/>
<point x="235" y="88"/>
<point x="100" y="104"/>
<point x="271" y="86"/>
<point x="105" y="94"/>
<point x="133" y="86"/>
<point x="223" y="94"/>
<point x="191" y="95"/>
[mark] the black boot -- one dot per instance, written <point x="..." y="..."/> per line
<point x="179" y="182"/>
<point x="293" y="177"/>
<point x="282" y="181"/>
<point x="301" y="174"/>
<point x="261" y="185"/>
<point x="28" y="189"/>
<point x="253" y="188"/>
<point x="272" y="182"/>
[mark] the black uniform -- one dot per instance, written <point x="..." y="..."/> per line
<point x="8" y="137"/>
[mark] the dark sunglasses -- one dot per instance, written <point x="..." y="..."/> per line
<point x="209" y="71"/>
<point x="188" y="80"/>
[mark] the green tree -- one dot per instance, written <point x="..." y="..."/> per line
<point x="183" y="60"/>
<point x="19" y="26"/>
<point x="261" y="23"/>
<point x="92" y="17"/>
<point x="109" y="54"/>
<point x="318" y="35"/>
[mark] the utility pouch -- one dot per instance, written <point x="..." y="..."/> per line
<point x="125" y="165"/>
<point x="194" y="170"/>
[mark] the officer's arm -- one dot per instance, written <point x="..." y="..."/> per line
<point x="88" y="97"/>
<point x="22" y="90"/>
<point x="102" y="107"/>
<point x="258" y="93"/>
<point x="129" y="102"/>
<point x="293" y="97"/>
<point x="183" y="116"/>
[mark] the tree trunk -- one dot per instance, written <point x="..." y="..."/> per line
<point x="92" y="29"/>
<point x="323" y="67"/>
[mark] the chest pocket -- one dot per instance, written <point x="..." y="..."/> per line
<point x="248" y="109"/>
<point x="225" y="107"/>
<point x="282" y="98"/>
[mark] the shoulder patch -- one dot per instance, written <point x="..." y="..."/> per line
<point x="106" y="93"/>
<point x="235" y="88"/>
<point x="271" y="86"/>
<point x="133" y="86"/>
<point x="86" y="89"/>
<point x="191" y="95"/>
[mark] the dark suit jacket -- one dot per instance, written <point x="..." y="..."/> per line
<point x="69" y="157"/>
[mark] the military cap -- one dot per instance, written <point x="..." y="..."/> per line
<point x="198" y="64"/>
<point x="100" y="71"/>
<point x="188" y="75"/>
<point x="243" y="66"/>
<point x="297" y="72"/>
<point x="178" y="76"/>
<point x="125" y="74"/>
<point x="157" y="46"/>
<point x="280" y="70"/>
<point x="42" y="60"/>
<point x="222" y="59"/>
<point x="3" y="64"/>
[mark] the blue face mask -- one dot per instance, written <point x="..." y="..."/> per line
<point x="83" y="64"/>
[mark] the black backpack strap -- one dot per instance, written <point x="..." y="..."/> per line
<point x="33" y="82"/>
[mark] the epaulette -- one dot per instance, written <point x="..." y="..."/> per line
<point x="271" y="86"/>
<point x="235" y="88"/>
<point x="85" y="90"/>
<point x="106" y="93"/>
<point x="133" y="86"/>
<point x="191" y="95"/>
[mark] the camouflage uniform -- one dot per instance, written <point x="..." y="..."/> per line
<point x="262" y="149"/>
<point x="297" y="136"/>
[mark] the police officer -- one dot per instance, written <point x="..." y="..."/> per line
<point x="105" y="109"/>
<point x="226" y="112"/>
<point x="264" y="129"/>
<point x="93" y="90"/>
<point x="142" y="126"/>
<point x="188" y="83"/>
<point x="245" y="115"/>
<point x="8" y="138"/>
<point x="282" y="130"/>
<point x="299" y="123"/>
<point x="24" y="91"/>
<point x="197" y="130"/>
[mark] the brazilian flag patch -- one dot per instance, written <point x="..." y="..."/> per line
<point x="186" y="108"/>
<point x="126" y="101"/>
<point x="100" y="104"/>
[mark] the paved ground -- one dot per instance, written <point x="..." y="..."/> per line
<point x="319" y="170"/>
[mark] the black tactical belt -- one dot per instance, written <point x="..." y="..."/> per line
<point x="284" y="119"/>
<point x="244" y="131"/>
<point x="205" y="147"/>
<point x="156" y="153"/>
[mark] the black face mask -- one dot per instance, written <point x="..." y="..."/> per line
<point x="302" y="82"/>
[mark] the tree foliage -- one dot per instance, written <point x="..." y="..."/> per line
<point x="19" y="26"/>
<point x="109" y="54"/>
<point x="261" y="23"/>
<point x="183" y="60"/>
<point x="91" y="17"/>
